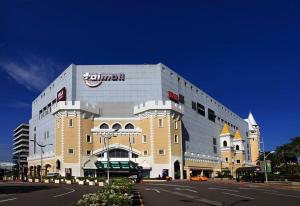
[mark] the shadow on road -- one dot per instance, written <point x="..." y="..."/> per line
<point x="9" y="189"/>
<point x="237" y="202"/>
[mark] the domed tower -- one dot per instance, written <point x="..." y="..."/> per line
<point x="239" y="151"/>
<point x="253" y="139"/>
<point x="226" y="148"/>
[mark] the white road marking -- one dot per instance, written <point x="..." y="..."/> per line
<point x="71" y="191"/>
<point x="8" y="200"/>
<point x="283" y="195"/>
<point x="217" y="188"/>
<point x="156" y="190"/>
<point x="243" y="188"/>
<point x="250" y="198"/>
<point x="5" y="195"/>
<point x="171" y="185"/>
<point x="186" y="190"/>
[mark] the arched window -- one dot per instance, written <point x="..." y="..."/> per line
<point x="117" y="126"/>
<point x="118" y="153"/>
<point x="224" y="144"/>
<point x="237" y="147"/>
<point x="104" y="126"/>
<point x="129" y="126"/>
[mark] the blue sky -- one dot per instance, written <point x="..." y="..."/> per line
<point x="243" y="53"/>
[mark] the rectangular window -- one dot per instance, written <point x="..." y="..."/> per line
<point x="211" y="115"/>
<point x="100" y="140"/>
<point x="238" y="161"/>
<point x="145" y="152"/>
<point x="88" y="152"/>
<point x="176" y="124"/>
<point x="215" y="145"/>
<point x="160" y="123"/>
<point x="71" y="151"/>
<point x="194" y="106"/>
<point x="201" y="109"/>
<point x="133" y="140"/>
<point x="88" y="138"/>
<point x="161" y="152"/>
<point x="144" y="138"/>
<point x="34" y="144"/>
<point x="181" y="99"/>
<point x="70" y="122"/>
<point x="176" y="140"/>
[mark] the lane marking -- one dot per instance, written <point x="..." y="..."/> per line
<point x="8" y="200"/>
<point x="242" y="188"/>
<point x="250" y="198"/>
<point x="283" y="195"/>
<point x="199" y="199"/>
<point x="71" y="191"/>
<point x="194" y="191"/>
<point x="169" y="185"/>
<point x="215" y="188"/>
<point x="141" y="201"/>
<point x="5" y="195"/>
<point x="156" y="190"/>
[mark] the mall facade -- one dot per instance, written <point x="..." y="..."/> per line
<point x="142" y="118"/>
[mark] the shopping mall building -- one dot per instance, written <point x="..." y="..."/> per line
<point x="142" y="118"/>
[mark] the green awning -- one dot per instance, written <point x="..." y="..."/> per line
<point x="120" y="165"/>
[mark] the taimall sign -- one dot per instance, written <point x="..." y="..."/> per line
<point x="96" y="79"/>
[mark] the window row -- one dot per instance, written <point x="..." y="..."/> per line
<point x="46" y="110"/>
<point x="116" y="126"/>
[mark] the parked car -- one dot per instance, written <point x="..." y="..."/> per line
<point x="52" y="174"/>
<point x="199" y="178"/>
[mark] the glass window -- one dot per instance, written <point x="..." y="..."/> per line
<point x="129" y="126"/>
<point x="145" y="152"/>
<point x="194" y="106"/>
<point x="161" y="152"/>
<point x="118" y="153"/>
<point x="71" y="151"/>
<point x="225" y="144"/>
<point x="211" y="115"/>
<point x="133" y="155"/>
<point x="117" y="126"/>
<point x="70" y="122"/>
<point x="238" y="161"/>
<point x="176" y="140"/>
<point x="176" y="124"/>
<point x="144" y="138"/>
<point x="88" y="138"/>
<point x="181" y="98"/>
<point x="104" y="126"/>
<point x="88" y="152"/>
<point x="226" y="159"/>
<point x="215" y="145"/>
<point x="237" y="147"/>
<point x="160" y="123"/>
<point x="201" y="109"/>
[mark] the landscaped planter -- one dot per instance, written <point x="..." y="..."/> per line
<point x="58" y="181"/>
<point x="30" y="180"/>
<point x="100" y="184"/>
<point x="68" y="182"/>
<point x="92" y="183"/>
<point x="46" y="181"/>
<point x="36" y="180"/>
<point x="81" y="182"/>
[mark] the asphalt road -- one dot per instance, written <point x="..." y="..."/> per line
<point x="218" y="194"/>
<point x="31" y="194"/>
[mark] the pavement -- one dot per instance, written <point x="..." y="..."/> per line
<point x="216" y="194"/>
<point x="31" y="194"/>
<point x="174" y="193"/>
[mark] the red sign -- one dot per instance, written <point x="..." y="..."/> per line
<point x="172" y="96"/>
<point x="62" y="95"/>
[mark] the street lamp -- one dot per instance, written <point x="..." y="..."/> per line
<point x="41" y="146"/>
<point x="106" y="138"/>
<point x="265" y="156"/>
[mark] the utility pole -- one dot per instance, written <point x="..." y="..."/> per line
<point x="106" y="138"/>
<point x="41" y="147"/>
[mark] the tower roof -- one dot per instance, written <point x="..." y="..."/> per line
<point x="225" y="130"/>
<point x="237" y="134"/>
<point x="252" y="120"/>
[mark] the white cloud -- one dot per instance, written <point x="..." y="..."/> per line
<point x="33" y="73"/>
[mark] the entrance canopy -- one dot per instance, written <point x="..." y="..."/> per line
<point x="117" y="165"/>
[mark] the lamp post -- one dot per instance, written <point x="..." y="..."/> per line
<point x="106" y="138"/>
<point x="265" y="156"/>
<point x="41" y="146"/>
